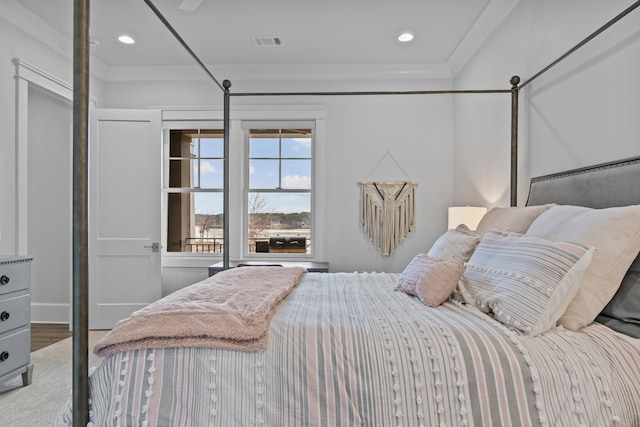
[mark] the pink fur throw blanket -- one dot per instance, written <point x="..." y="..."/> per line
<point x="230" y="310"/>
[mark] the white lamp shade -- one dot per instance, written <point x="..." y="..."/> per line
<point x="467" y="215"/>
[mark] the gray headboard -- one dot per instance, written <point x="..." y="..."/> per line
<point x="601" y="186"/>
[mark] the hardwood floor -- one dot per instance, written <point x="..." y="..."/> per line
<point x="44" y="334"/>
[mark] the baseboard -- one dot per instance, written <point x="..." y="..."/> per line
<point x="50" y="313"/>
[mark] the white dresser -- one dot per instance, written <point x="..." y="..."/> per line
<point x="15" y="318"/>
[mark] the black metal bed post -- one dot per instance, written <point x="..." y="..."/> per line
<point x="80" y="211"/>
<point x="375" y="93"/>
<point x="184" y="44"/>
<point x="225" y="210"/>
<point x="514" y="139"/>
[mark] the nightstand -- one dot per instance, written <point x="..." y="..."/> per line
<point x="15" y="318"/>
<point x="312" y="267"/>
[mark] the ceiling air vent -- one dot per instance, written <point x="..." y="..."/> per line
<point x="267" y="41"/>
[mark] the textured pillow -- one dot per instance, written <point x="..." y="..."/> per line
<point x="455" y="245"/>
<point x="526" y="282"/>
<point x="514" y="219"/>
<point x="431" y="279"/>
<point x="411" y="274"/>
<point x="438" y="282"/>
<point x="614" y="232"/>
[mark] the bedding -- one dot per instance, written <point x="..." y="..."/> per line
<point x="432" y="280"/>
<point x="456" y="244"/>
<point x="622" y="313"/>
<point x="231" y="309"/>
<point x="524" y="282"/>
<point x="614" y="232"/>
<point x="345" y="349"/>
<point x="514" y="219"/>
<point x="602" y="186"/>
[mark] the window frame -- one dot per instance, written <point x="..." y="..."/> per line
<point x="212" y="118"/>
<point x="166" y="189"/>
<point x="247" y="126"/>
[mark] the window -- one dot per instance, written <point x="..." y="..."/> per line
<point x="279" y="197"/>
<point x="194" y="187"/>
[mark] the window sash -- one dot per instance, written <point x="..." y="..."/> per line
<point x="279" y="165"/>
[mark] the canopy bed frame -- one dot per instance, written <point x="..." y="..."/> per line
<point x="80" y="167"/>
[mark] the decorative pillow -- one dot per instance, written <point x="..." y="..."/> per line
<point x="439" y="282"/>
<point x="514" y="219"/>
<point x="456" y="244"/>
<point x="614" y="232"/>
<point x="431" y="279"/>
<point x="622" y="314"/>
<point x="526" y="282"/>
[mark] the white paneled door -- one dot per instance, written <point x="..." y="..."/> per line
<point x="124" y="213"/>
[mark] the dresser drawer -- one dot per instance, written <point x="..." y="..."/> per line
<point x="14" y="277"/>
<point x="14" y="349"/>
<point x="14" y="312"/>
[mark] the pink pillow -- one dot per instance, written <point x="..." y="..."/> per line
<point x="432" y="280"/>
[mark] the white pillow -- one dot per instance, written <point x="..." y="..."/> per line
<point x="455" y="245"/>
<point x="430" y="279"/>
<point x="514" y="219"/>
<point x="614" y="232"/>
<point x="526" y="282"/>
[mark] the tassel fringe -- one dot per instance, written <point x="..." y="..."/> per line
<point x="387" y="213"/>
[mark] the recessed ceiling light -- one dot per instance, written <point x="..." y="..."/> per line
<point x="126" y="39"/>
<point x="405" y="37"/>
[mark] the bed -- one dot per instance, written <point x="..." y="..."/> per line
<point x="467" y="334"/>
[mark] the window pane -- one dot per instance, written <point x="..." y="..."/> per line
<point x="296" y="174"/>
<point x="299" y="147"/>
<point x="182" y="174"/>
<point x="196" y="159"/>
<point x="264" y="174"/>
<point x="211" y="175"/>
<point x="194" y="222"/>
<point x="279" y="222"/>
<point x="181" y="143"/>
<point x="264" y="144"/>
<point x="211" y="146"/>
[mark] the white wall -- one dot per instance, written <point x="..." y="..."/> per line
<point x="16" y="43"/>
<point x="583" y="111"/>
<point x="416" y="130"/>
<point x="47" y="185"/>
<point x="50" y="205"/>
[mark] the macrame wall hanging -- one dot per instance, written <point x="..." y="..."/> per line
<point x="387" y="211"/>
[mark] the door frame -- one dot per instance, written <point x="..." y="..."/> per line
<point x="28" y="76"/>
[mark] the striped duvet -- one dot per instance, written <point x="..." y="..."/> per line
<point x="345" y="350"/>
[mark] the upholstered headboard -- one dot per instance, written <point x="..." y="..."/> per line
<point x="601" y="186"/>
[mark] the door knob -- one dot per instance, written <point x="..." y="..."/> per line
<point x="155" y="247"/>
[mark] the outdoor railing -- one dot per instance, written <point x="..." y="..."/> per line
<point x="216" y="244"/>
<point x="204" y="244"/>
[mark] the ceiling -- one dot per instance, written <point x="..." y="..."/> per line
<point x="338" y="33"/>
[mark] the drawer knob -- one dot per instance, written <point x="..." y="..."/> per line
<point x="4" y="279"/>
<point x="4" y="356"/>
<point x="4" y="316"/>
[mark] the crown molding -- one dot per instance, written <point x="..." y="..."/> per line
<point x="491" y="17"/>
<point x="281" y="72"/>
<point x="24" y="20"/>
